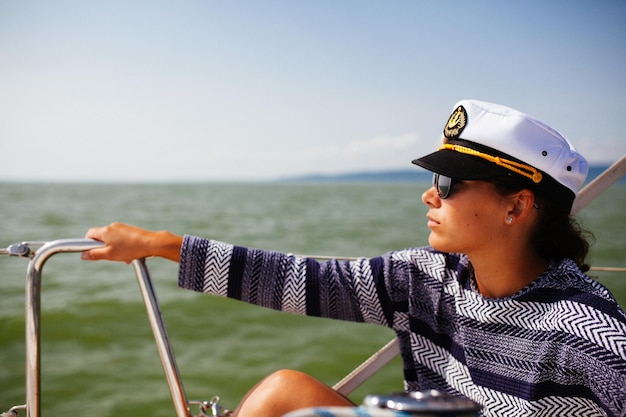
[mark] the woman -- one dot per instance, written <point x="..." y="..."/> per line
<point x="497" y="308"/>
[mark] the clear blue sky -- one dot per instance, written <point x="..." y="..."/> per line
<point x="238" y="90"/>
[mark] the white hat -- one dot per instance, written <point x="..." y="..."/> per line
<point x="484" y="140"/>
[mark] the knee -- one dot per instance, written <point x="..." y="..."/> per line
<point x="288" y="390"/>
<point x="298" y="390"/>
<point x="287" y="379"/>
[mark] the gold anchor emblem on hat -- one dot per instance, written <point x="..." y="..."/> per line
<point x="456" y="123"/>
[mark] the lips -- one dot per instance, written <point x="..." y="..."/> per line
<point x="432" y="221"/>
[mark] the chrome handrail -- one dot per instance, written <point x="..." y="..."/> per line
<point x="164" y="347"/>
<point x="33" y="315"/>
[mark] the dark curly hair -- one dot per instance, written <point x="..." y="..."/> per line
<point x="558" y="234"/>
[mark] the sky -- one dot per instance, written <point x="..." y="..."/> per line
<point x="135" y="91"/>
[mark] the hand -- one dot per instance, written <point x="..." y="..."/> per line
<point x="126" y="243"/>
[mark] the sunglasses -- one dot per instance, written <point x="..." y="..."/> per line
<point x="443" y="185"/>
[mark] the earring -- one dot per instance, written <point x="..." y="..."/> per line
<point x="509" y="220"/>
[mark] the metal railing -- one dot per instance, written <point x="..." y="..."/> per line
<point x="33" y="321"/>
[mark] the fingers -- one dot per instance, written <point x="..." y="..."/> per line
<point x="114" y="237"/>
<point x="94" y="233"/>
<point x="95" y="254"/>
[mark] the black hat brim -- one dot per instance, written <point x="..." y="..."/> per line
<point x="460" y="166"/>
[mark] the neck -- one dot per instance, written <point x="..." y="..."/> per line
<point x="500" y="276"/>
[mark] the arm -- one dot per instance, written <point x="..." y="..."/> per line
<point x="346" y="290"/>
<point x="126" y="243"/>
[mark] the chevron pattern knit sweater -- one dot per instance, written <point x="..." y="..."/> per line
<point x="556" y="348"/>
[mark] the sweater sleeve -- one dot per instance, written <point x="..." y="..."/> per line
<point x="345" y="290"/>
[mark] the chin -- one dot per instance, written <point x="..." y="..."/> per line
<point x="434" y="243"/>
<point x="440" y="245"/>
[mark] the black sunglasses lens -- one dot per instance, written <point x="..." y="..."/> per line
<point x="443" y="185"/>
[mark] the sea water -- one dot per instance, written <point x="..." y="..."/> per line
<point x="97" y="351"/>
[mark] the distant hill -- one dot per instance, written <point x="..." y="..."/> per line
<point x="411" y="175"/>
<point x="408" y="175"/>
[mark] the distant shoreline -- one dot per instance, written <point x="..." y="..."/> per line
<point x="386" y="176"/>
<point x="405" y="175"/>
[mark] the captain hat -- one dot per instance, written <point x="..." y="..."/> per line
<point x="484" y="141"/>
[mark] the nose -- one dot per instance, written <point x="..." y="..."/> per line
<point x="431" y="198"/>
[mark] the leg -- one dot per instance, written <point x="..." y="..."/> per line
<point x="285" y="391"/>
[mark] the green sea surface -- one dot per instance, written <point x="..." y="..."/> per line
<point x="97" y="351"/>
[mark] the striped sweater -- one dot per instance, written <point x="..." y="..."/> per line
<point x="557" y="347"/>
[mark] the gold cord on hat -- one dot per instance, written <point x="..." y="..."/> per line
<point x="522" y="169"/>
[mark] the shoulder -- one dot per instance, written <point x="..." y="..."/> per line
<point x="566" y="276"/>
<point x="566" y="284"/>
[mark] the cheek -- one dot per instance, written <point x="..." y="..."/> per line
<point x="478" y="222"/>
<point x="471" y="216"/>
<point x="485" y="220"/>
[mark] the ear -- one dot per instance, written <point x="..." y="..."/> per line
<point x="522" y="205"/>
